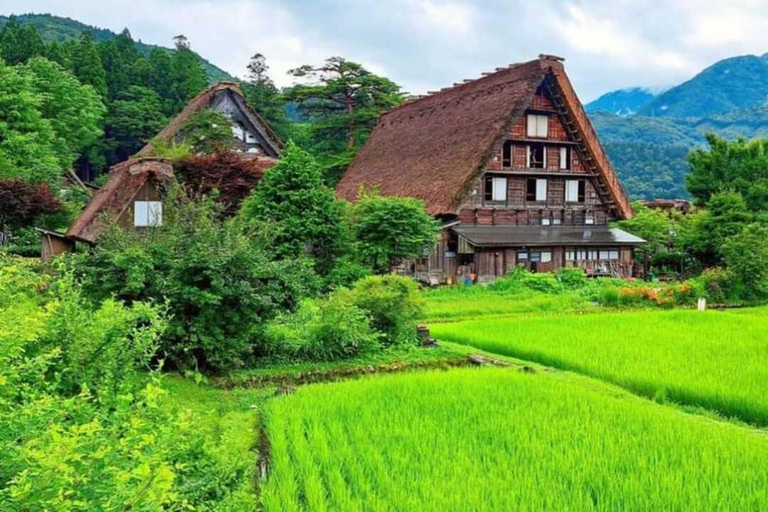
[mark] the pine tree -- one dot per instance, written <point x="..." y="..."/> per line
<point x="188" y="76"/>
<point x="87" y="65"/>
<point x="118" y="57"/>
<point x="19" y="43"/>
<point x="264" y="97"/>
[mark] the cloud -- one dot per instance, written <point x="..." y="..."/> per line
<point x="428" y="44"/>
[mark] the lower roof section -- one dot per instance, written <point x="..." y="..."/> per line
<point x="542" y="236"/>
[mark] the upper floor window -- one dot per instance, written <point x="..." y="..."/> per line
<point x="575" y="191"/>
<point x="538" y="125"/>
<point x="147" y="213"/>
<point x="506" y="154"/>
<point x="536" y="190"/>
<point x="565" y="158"/>
<point x="537" y="156"/>
<point x="495" y="188"/>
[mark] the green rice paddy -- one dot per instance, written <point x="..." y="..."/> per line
<point x="716" y="360"/>
<point x="502" y="439"/>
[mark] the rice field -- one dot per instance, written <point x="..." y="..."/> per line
<point x="501" y="439"/>
<point x="716" y="360"/>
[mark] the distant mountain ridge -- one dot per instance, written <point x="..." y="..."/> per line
<point x="56" y="28"/>
<point x="623" y="102"/>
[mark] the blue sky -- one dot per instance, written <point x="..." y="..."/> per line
<point x="427" y="44"/>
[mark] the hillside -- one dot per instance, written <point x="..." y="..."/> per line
<point x="56" y="28"/>
<point x="735" y="83"/>
<point x="623" y="102"/>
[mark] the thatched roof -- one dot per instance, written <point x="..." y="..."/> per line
<point x="115" y="197"/>
<point x="204" y="101"/>
<point x="432" y="147"/>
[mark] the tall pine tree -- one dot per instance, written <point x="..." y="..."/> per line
<point x="188" y="76"/>
<point x="87" y="65"/>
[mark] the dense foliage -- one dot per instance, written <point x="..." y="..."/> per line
<point x="219" y="283"/>
<point x="22" y="203"/>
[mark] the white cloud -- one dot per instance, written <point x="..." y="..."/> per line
<point x="427" y="44"/>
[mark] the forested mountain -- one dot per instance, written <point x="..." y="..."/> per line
<point x="58" y="29"/>
<point x="623" y="102"/>
<point x="734" y="83"/>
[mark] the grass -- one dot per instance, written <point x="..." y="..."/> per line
<point x="394" y="358"/>
<point x="501" y="439"/>
<point x="716" y="360"/>
<point x="227" y="422"/>
<point x="461" y="302"/>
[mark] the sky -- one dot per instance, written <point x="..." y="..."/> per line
<point x="424" y="45"/>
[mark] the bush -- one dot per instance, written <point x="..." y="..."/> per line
<point x="220" y="284"/>
<point x="393" y="304"/>
<point x="746" y="255"/>
<point x="323" y="330"/>
<point x="573" y="278"/>
<point x="520" y="278"/>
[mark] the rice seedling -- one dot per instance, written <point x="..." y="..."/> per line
<point x="716" y="360"/>
<point x="500" y="439"/>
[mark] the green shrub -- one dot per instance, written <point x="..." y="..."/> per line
<point x="609" y="296"/>
<point x="393" y="304"/>
<point x="520" y="278"/>
<point x="323" y="330"/>
<point x="573" y="278"/>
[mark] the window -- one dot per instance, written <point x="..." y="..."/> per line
<point x="613" y="255"/>
<point x="538" y="125"/>
<point x="603" y="255"/>
<point x="522" y="256"/>
<point x="574" y="191"/>
<point x="546" y="222"/>
<point x="565" y="158"/>
<point x="556" y="222"/>
<point x="589" y="219"/>
<point x="147" y="213"/>
<point x="570" y="255"/>
<point x="506" y="154"/>
<point x="537" y="156"/>
<point x="495" y="188"/>
<point x="250" y="138"/>
<point x="541" y="257"/>
<point x="536" y="189"/>
<point x="237" y="132"/>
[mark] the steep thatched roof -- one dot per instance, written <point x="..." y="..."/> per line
<point x="115" y="197"/>
<point x="432" y="147"/>
<point x="204" y="101"/>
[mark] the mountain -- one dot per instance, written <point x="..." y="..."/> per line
<point x="623" y="102"/>
<point x="734" y="83"/>
<point x="55" y="28"/>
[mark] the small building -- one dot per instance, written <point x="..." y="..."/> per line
<point x="670" y="205"/>
<point x="133" y="194"/>
<point x="512" y="167"/>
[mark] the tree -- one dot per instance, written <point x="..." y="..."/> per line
<point x="87" y="65"/>
<point x="22" y="203"/>
<point x="746" y="255"/>
<point x="27" y="141"/>
<point x="343" y="104"/>
<point x="75" y="111"/>
<point x="134" y="118"/>
<point x="119" y="56"/>
<point x="301" y="213"/>
<point x="208" y="132"/>
<point x="703" y="234"/>
<point x="264" y="97"/>
<point x="739" y="166"/>
<point x="392" y="228"/>
<point x="19" y="43"/>
<point x="188" y="76"/>
<point x="160" y="78"/>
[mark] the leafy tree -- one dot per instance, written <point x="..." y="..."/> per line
<point x="301" y="212"/>
<point x="739" y="166"/>
<point x="391" y="228"/>
<point x="188" y="77"/>
<point x="703" y="234"/>
<point x="746" y="255"/>
<point x="160" y="78"/>
<point x="27" y="141"/>
<point x="343" y="105"/>
<point x="75" y="111"/>
<point x="134" y="118"/>
<point x="22" y="202"/>
<point x="19" y="43"/>
<point x="264" y="97"/>
<point x="87" y="65"/>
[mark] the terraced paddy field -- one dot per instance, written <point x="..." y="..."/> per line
<point x="503" y="439"/>
<point x="715" y="360"/>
